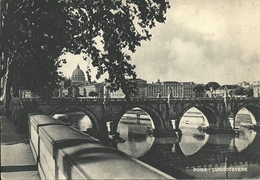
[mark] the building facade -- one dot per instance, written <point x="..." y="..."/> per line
<point x="187" y="89"/>
<point x="74" y="86"/>
<point x="141" y="86"/>
<point x="78" y="76"/>
<point x="256" y="88"/>
<point x="143" y="89"/>
<point x="159" y="89"/>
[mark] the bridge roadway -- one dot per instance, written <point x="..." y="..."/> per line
<point x="162" y="110"/>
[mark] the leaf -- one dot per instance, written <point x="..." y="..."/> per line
<point x="36" y="33"/>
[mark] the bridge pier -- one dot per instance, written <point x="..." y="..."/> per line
<point x="232" y="122"/>
<point x="175" y="125"/>
<point x="110" y="127"/>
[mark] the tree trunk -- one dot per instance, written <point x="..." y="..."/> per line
<point x="6" y="96"/>
<point x="7" y="54"/>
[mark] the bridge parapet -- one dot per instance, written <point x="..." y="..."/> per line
<point x="66" y="153"/>
<point x="195" y="99"/>
<point x="75" y="100"/>
<point x="162" y="110"/>
<point x="136" y="99"/>
<point x="244" y="99"/>
<point x="82" y="99"/>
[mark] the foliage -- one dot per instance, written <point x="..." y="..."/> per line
<point x="32" y="44"/>
<point x="37" y="32"/>
<point x="211" y="86"/>
<point x="249" y="92"/>
<point x="239" y="91"/>
<point x="228" y="87"/>
<point x="199" y="88"/>
<point x="93" y="94"/>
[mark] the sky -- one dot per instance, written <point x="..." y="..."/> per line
<point x="201" y="41"/>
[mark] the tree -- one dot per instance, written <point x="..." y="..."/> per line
<point x="199" y="89"/>
<point x="35" y="33"/>
<point x="93" y="94"/>
<point x="239" y="91"/>
<point x="211" y="86"/>
<point x="30" y="48"/>
<point x="249" y="92"/>
<point x="226" y="86"/>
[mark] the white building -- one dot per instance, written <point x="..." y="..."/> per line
<point x="78" y="76"/>
<point x="256" y="88"/>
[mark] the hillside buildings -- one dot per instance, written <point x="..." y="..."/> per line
<point x="159" y="89"/>
<point x="77" y="86"/>
<point x="173" y="88"/>
<point x="256" y="88"/>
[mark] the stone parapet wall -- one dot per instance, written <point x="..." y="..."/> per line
<point x="62" y="152"/>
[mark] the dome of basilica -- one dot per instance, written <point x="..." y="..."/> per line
<point x="78" y="76"/>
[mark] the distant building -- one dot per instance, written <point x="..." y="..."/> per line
<point x="98" y="88"/>
<point x="234" y="91"/>
<point x="74" y="86"/>
<point x="244" y="84"/>
<point x="178" y="89"/>
<point x="161" y="89"/>
<point x="225" y="90"/>
<point x="116" y="94"/>
<point x="66" y="83"/>
<point x="154" y="90"/>
<point x="256" y="88"/>
<point x="175" y="87"/>
<point x="82" y="91"/>
<point x="78" y="76"/>
<point x="187" y="89"/>
<point x="141" y="86"/>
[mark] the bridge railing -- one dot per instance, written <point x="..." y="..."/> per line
<point x="101" y="100"/>
<point x="245" y="98"/>
<point x="62" y="152"/>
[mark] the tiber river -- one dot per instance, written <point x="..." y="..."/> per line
<point x="195" y="154"/>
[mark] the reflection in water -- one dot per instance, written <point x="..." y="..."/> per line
<point x="246" y="137"/>
<point x="193" y="118"/>
<point x="195" y="155"/>
<point x="78" y="120"/>
<point x="245" y="117"/>
<point x="196" y="150"/>
<point x="134" y="131"/>
<point x="134" y="148"/>
<point x="192" y="141"/>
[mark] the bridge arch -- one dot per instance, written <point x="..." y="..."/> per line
<point x="252" y="107"/>
<point x="156" y="117"/>
<point x="208" y="111"/>
<point x="91" y="115"/>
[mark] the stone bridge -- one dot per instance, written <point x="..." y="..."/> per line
<point x="161" y="110"/>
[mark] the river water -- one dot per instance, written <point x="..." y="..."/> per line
<point x="193" y="155"/>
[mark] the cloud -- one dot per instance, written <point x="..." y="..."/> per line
<point x="204" y="41"/>
<point x="201" y="41"/>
